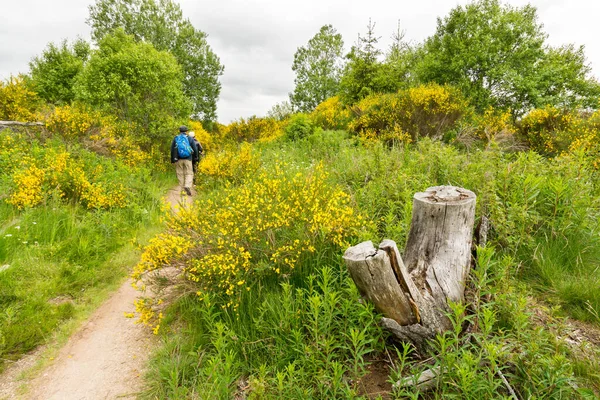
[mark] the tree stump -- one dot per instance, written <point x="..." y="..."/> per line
<point x="413" y="292"/>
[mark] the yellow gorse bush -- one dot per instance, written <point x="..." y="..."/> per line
<point x="230" y="164"/>
<point x="553" y="131"/>
<point x="263" y="227"/>
<point x="205" y="138"/>
<point x="39" y="173"/>
<point x="17" y="101"/>
<point x="424" y="111"/>
<point x="493" y="123"/>
<point x="29" y="188"/>
<point x="255" y="129"/>
<point x="331" y="114"/>
<point x="103" y="134"/>
<point x="71" y="121"/>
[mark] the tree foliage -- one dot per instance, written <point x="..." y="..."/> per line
<point x="280" y="111"/>
<point x="161" y="23"/>
<point x="318" y="67"/>
<point x="496" y="55"/>
<point x="364" y="73"/>
<point x="53" y="72"/>
<point x="134" y="81"/>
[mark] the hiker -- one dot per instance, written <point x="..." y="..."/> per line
<point x="183" y="151"/>
<point x="196" y="160"/>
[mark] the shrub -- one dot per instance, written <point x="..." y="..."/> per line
<point x="18" y="102"/>
<point x="254" y="129"/>
<point x="263" y="228"/>
<point x="299" y="126"/>
<point x="406" y="116"/>
<point x="331" y="114"/>
<point x="233" y="164"/>
<point x="552" y="131"/>
<point x="40" y="172"/>
<point x="492" y="127"/>
<point x="205" y="138"/>
<point x="101" y="133"/>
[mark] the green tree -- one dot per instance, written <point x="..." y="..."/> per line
<point x="564" y="79"/>
<point x="495" y="54"/>
<point x="135" y="82"/>
<point x="399" y="62"/>
<point x="161" y="23"/>
<point x="318" y="67"/>
<point x="53" y="72"/>
<point x="364" y="74"/>
<point x="280" y="111"/>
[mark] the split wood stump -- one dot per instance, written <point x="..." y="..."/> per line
<point x="413" y="292"/>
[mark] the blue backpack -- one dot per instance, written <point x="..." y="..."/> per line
<point x="183" y="146"/>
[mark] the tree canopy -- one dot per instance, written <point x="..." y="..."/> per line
<point x="318" y="67"/>
<point x="53" y="72"/>
<point x="364" y="74"/>
<point x="134" y="81"/>
<point x="161" y="23"/>
<point x="496" y="55"/>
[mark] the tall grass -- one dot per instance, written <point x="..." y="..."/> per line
<point x="60" y="256"/>
<point x="308" y="335"/>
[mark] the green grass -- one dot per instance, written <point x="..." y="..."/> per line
<point x="60" y="258"/>
<point x="311" y="337"/>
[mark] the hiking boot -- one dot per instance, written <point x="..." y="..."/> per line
<point x="188" y="191"/>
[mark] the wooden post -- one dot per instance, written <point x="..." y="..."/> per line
<point x="413" y="292"/>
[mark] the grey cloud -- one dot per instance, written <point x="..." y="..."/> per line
<point x="256" y="39"/>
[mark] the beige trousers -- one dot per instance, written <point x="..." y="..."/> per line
<point x="185" y="173"/>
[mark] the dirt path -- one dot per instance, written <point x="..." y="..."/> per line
<point x="104" y="359"/>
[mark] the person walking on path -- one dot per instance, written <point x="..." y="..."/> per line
<point x="196" y="160"/>
<point x="183" y="151"/>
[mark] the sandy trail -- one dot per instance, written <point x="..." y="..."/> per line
<point x="105" y="359"/>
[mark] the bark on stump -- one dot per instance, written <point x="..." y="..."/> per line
<point x="413" y="292"/>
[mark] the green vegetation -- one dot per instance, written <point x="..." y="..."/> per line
<point x="263" y="307"/>
<point x="162" y="24"/>
<point x="60" y="252"/>
<point x="135" y="82"/>
<point x="216" y="349"/>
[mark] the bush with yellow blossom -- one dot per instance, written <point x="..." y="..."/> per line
<point x="255" y="129"/>
<point x="233" y="163"/>
<point x="18" y="102"/>
<point x="331" y="114"/>
<point x="267" y="226"/>
<point x="35" y="172"/>
<point x="406" y="116"/>
<point x="553" y="131"/>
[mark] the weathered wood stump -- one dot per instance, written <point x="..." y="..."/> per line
<point x="413" y="292"/>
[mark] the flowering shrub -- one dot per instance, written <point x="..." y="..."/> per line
<point x="29" y="184"/>
<point x="493" y="123"/>
<point x="17" y="101"/>
<point x="264" y="227"/>
<point x="71" y="121"/>
<point x="39" y="172"/>
<point x="331" y="114"/>
<point x="205" y="138"/>
<point x="552" y="131"/>
<point x="255" y="129"/>
<point x="230" y="164"/>
<point x="101" y="133"/>
<point x="424" y="111"/>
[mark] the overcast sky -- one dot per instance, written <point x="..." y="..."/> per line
<point x="256" y="39"/>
